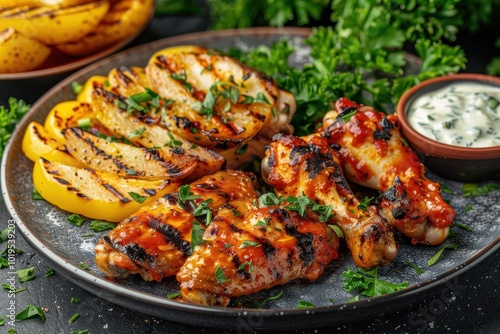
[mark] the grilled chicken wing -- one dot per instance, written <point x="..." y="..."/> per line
<point x="156" y="240"/>
<point x="247" y="249"/>
<point x="374" y="154"/>
<point x="295" y="166"/>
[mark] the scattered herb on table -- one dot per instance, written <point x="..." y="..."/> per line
<point x="74" y="300"/>
<point x="367" y="283"/>
<point x="83" y="266"/>
<point x="73" y="318"/>
<point x="8" y="288"/>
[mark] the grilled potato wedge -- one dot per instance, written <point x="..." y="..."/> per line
<point x="95" y="194"/>
<point x="124" y="18"/>
<point x="207" y="109"/>
<point x="124" y="160"/>
<point x="112" y="112"/>
<point x="20" y="53"/>
<point x="51" y="25"/>
<point x="66" y="115"/>
<point x="37" y="143"/>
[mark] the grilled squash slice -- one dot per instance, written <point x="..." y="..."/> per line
<point x="95" y="194"/>
<point x="123" y="159"/>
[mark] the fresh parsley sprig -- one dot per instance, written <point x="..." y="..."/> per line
<point x="9" y="116"/>
<point x="299" y="204"/>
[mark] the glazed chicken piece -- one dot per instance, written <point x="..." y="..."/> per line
<point x="373" y="154"/>
<point x="248" y="248"/>
<point x="294" y="166"/>
<point x="156" y="240"/>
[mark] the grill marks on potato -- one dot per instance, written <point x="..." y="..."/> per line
<point x="122" y="159"/>
<point x="86" y="182"/>
<point x="188" y="77"/>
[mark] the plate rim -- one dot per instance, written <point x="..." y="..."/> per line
<point x="70" y="271"/>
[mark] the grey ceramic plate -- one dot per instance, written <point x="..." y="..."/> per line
<point x="64" y="247"/>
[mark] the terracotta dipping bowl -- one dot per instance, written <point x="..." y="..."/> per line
<point x="465" y="164"/>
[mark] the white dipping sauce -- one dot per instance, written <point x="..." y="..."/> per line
<point x="463" y="114"/>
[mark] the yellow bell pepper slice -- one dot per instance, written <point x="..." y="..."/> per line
<point x="37" y="143"/>
<point x="66" y="115"/>
<point x="96" y="195"/>
<point x="85" y="95"/>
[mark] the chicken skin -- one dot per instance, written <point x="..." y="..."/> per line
<point x="248" y="248"/>
<point x="295" y="166"/>
<point x="373" y="154"/>
<point x="156" y="240"/>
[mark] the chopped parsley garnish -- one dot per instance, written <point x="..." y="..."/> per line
<point x="366" y="202"/>
<point x="136" y="133"/>
<point x="174" y="295"/>
<point x="472" y="189"/>
<point x="25" y="275"/>
<point x="464" y="227"/>
<point x="366" y="282"/>
<point x="248" y="264"/>
<point x="49" y="272"/>
<point x="31" y="311"/>
<point x="417" y="269"/>
<point x="76" y="219"/>
<point x="337" y="230"/>
<point x="299" y="204"/>
<point x="242" y="149"/>
<point x="173" y="142"/>
<point x="185" y="194"/>
<point x="202" y="210"/>
<point x="347" y="116"/>
<point x="220" y="277"/>
<point x="100" y="226"/>
<point x="305" y="304"/>
<point x="76" y="87"/>
<point x="73" y="318"/>
<point x="35" y="195"/>
<point x="263" y="223"/>
<point x="137" y="197"/>
<point x="182" y="77"/>
<point x="196" y="235"/>
<point x="249" y="243"/>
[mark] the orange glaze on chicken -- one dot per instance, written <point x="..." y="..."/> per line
<point x="247" y="249"/>
<point x="156" y="240"/>
<point x="373" y="154"/>
<point x="295" y="166"/>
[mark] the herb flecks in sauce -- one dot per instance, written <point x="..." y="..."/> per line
<point x="464" y="114"/>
